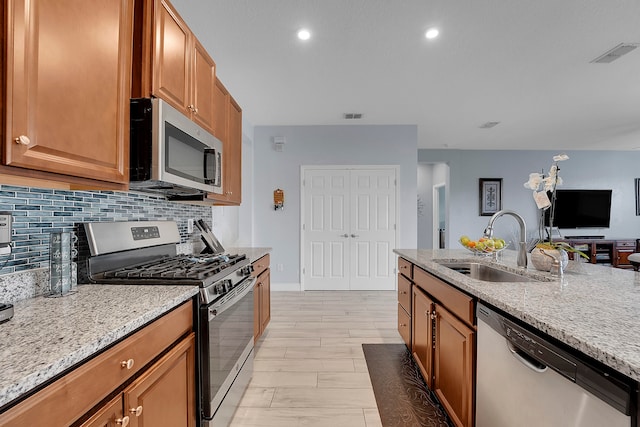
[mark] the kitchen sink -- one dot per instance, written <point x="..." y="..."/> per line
<point x="485" y="272"/>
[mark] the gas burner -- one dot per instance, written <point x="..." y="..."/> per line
<point x="203" y="269"/>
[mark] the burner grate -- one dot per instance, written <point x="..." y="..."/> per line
<point x="178" y="268"/>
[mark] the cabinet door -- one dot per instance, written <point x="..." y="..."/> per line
<point x="171" y="57"/>
<point x="622" y="258"/>
<point x="111" y="415"/>
<point x="204" y="76"/>
<point x="404" y="325"/>
<point x="233" y="155"/>
<point x="68" y="73"/>
<point x="454" y="366"/>
<point x="265" y="301"/>
<point x="164" y="396"/>
<point x="221" y="111"/>
<point x="404" y="292"/>
<point x="228" y="129"/>
<point x="422" y="334"/>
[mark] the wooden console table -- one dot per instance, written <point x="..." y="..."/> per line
<point x="605" y="251"/>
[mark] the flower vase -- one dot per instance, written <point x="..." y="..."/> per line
<point x="542" y="258"/>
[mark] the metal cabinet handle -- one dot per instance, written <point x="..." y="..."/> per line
<point x="127" y="364"/>
<point x="344" y="235"/>
<point x="136" y="411"/>
<point x="23" y="140"/>
<point x="124" y="421"/>
<point x="354" y="235"/>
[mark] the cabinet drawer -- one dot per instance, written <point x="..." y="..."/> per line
<point x="404" y="292"/>
<point x="457" y="302"/>
<point x="73" y="395"/>
<point x="405" y="268"/>
<point x="261" y="265"/>
<point x="626" y="244"/>
<point x="404" y="325"/>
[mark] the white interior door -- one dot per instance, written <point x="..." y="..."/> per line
<point x="326" y="229"/>
<point x="349" y="229"/>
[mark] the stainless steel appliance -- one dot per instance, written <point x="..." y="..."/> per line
<point x="145" y="253"/>
<point x="170" y="154"/>
<point x="6" y="312"/>
<point x="525" y="380"/>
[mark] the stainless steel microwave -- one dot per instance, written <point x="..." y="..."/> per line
<point x="170" y="154"/>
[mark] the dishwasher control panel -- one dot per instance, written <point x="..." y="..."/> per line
<point x="539" y="350"/>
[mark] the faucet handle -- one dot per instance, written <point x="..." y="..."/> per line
<point x="556" y="266"/>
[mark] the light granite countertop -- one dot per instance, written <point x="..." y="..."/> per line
<point x="594" y="309"/>
<point x="47" y="336"/>
<point x="253" y="254"/>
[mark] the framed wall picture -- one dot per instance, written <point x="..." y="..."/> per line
<point x="490" y="196"/>
<point x="637" y="196"/>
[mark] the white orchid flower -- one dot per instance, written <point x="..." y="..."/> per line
<point x="560" y="157"/>
<point x="549" y="183"/>
<point x="535" y="179"/>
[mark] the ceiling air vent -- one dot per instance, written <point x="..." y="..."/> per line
<point x="615" y="53"/>
<point x="352" y="116"/>
<point x="488" y="125"/>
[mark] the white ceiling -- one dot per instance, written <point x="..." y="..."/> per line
<point x="523" y="63"/>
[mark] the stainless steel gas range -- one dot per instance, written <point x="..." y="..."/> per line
<point x="144" y="253"/>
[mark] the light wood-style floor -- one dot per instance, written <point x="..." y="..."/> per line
<point x="309" y="367"/>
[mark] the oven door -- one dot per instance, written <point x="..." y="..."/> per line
<point x="227" y="351"/>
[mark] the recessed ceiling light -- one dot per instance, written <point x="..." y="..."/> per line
<point x="432" y="33"/>
<point x="304" y="34"/>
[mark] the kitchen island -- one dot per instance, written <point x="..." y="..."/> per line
<point x="491" y="371"/>
<point x="593" y="309"/>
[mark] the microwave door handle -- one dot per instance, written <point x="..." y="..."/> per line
<point x="210" y="153"/>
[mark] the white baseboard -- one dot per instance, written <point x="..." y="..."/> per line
<point x="275" y="287"/>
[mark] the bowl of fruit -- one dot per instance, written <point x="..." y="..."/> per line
<point x="484" y="245"/>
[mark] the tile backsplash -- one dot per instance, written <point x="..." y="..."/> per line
<point x="37" y="212"/>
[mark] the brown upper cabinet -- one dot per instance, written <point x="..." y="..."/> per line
<point x="170" y="63"/>
<point x="228" y="129"/>
<point x="66" y="85"/>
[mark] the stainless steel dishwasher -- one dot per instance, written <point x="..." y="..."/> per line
<point x="524" y="380"/>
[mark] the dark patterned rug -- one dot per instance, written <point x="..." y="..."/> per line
<point x="401" y="394"/>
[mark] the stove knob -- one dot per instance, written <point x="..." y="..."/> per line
<point x="246" y="271"/>
<point x="220" y="288"/>
<point x="228" y="285"/>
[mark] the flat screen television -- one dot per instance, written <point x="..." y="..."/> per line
<point x="581" y="209"/>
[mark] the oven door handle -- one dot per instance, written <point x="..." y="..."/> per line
<point x="239" y="292"/>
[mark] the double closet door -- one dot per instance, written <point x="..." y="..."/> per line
<point x="348" y="228"/>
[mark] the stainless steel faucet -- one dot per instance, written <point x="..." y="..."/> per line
<point x="522" y="245"/>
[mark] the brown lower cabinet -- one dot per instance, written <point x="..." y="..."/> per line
<point x="443" y="343"/>
<point x="146" y="379"/>
<point x="454" y="366"/>
<point x="162" y="396"/>
<point x="261" y="296"/>
<point x="422" y="339"/>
